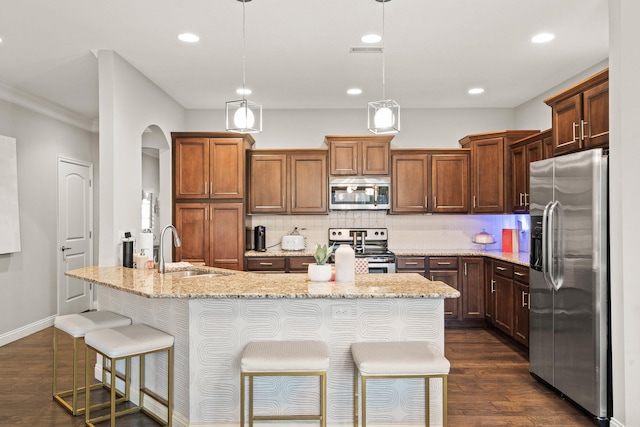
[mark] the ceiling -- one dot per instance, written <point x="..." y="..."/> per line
<point x="297" y="51"/>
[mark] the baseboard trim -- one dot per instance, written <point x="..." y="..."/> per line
<point x="26" y="330"/>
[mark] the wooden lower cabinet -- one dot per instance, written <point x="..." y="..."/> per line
<point x="521" y="304"/>
<point x="279" y="264"/>
<point x="211" y="233"/>
<point x="503" y="304"/>
<point x="445" y="269"/>
<point x="472" y="287"/>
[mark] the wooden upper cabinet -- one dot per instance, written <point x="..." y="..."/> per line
<point x="490" y="177"/>
<point x="308" y="183"/>
<point x="523" y="153"/>
<point x="580" y="115"/>
<point x="450" y="183"/>
<point x="226" y="235"/>
<point x="192" y="223"/>
<point x="288" y="181"/>
<point x="268" y="187"/>
<point x="434" y="181"/>
<point x="359" y="155"/>
<point x="210" y="166"/>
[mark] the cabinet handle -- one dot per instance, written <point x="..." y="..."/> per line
<point x="426" y="203"/>
<point x="443" y="263"/>
<point x="521" y="195"/>
<point x="518" y="274"/>
<point x="474" y="201"/>
<point x="525" y="299"/>
<point x="574" y="130"/>
<point x="500" y="268"/>
<point x="266" y="263"/>
<point x="582" y="135"/>
<point x="465" y="268"/>
<point x="206" y="214"/>
<point x="435" y="203"/>
<point x="410" y="263"/>
<point x="211" y="188"/>
<point x="432" y="279"/>
<point x="206" y="188"/>
<point x="493" y="288"/>
<point x="306" y="263"/>
<point x="526" y="199"/>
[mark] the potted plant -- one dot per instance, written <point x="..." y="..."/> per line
<point x="321" y="271"/>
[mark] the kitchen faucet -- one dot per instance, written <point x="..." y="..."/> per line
<point x="176" y="242"/>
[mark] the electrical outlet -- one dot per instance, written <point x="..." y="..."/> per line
<point x="340" y="312"/>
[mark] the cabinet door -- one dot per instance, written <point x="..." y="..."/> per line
<point x="472" y="287"/>
<point x="308" y="177"/>
<point x="451" y="305"/>
<point x="534" y="153"/>
<point x="226" y="238"/>
<point x="268" y="183"/>
<point x="375" y="158"/>
<point x="226" y="168"/>
<point x="547" y="147"/>
<point x="566" y="116"/>
<point x="266" y="264"/>
<point x="405" y="264"/>
<point x="519" y="175"/>
<point x="596" y="115"/>
<point x="488" y="176"/>
<point x="409" y="183"/>
<point x="521" y="309"/>
<point x="300" y="264"/>
<point x="449" y="183"/>
<point x="489" y="291"/>
<point x="191" y="168"/>
<point x="503" y="304"/>
<point x="344" y="157"/>
<point x="192" y="224"/>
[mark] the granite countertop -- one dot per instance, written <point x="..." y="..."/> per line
<point x="238" y="284"/>
<point x="521" y="258"/>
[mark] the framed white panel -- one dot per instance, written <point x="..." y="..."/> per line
<point x="9" y="210"/>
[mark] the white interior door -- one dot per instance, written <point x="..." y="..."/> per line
<point x="75" y="225"/>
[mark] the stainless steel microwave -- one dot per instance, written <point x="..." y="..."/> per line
<point x="360" y="193"/>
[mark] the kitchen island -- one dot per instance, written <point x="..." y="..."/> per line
<point x="212" y="318"/>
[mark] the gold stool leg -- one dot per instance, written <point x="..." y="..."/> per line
<point x="242" y="380"/>
<point x="444" y="401"/>
<point x="323" y="399"/>
<point x="364" y="400"/>
<point x="355" y="396"/>
<point x="427" y="403"/>
<point x="250" y="400"/>
<point x="87" y="395"/>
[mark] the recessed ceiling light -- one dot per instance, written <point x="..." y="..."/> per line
<point x="371" y="38"/>
<point x="476" y="91"/>
<point x="244" y="91"/>
<point x="188" y="37"/>
<point x="542" y="38"/>
<point x="354" y="91"/>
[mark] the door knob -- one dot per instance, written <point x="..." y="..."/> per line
<point x="64" y="248"/>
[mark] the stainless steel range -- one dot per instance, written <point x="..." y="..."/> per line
<point x="370" y="243"/>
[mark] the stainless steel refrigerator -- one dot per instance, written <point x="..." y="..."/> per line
<point x="569" y="285"/>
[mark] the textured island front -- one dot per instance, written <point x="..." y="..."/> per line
<point x="212" y="319"/>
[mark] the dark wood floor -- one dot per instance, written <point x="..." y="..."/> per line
<point x="489" y="385"/>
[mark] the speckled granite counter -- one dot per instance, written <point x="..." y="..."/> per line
<point x="212" y="319"/>
<point x="521" y="258"/>
<point x="237" y="284"/>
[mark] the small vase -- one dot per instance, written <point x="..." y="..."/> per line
<point x="319" y="273"/>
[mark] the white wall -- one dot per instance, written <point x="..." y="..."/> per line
<point x="624" y="206"/>
<point x="420" y="128"/>
<point x="129" y="103"/>
<point x="28" y="280"/>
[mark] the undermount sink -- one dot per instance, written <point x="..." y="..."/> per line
<point x="186" y="274"/>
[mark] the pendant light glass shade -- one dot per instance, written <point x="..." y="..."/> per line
<point x="383" y="116"/>
<point x="243" y="116"/>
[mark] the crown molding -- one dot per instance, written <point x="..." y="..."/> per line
<point x="47" y="108"/>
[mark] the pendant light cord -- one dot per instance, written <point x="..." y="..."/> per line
<point x="384" y="43"/>
<point x="244" y="52"/>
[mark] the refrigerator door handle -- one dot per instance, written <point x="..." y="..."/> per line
<point x="546" y="247"/>
<point x="555" y="263"/>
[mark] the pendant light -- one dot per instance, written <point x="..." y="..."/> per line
<point x="243" y="115"/>
<point x="383" y="116"/>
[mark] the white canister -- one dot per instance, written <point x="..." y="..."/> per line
<point x="345" y="264"/>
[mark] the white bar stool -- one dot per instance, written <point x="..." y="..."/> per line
<point x="284" y="358"/>
<point x="125" y="343"/>
<point x="407" y="359"/>
<point x="77" y="326"/>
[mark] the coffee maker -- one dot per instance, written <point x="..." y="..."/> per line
<point x="259" y="238"/>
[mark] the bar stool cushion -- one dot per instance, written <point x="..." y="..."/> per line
<point x="285" y="356"/>
<point x="78" y="325"/>
<point x="128" y="340"/>
<point x="398" y="358"/>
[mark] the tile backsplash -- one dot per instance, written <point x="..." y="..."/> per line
<point x="405" y="231"/>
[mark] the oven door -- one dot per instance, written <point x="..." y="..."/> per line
<point x="381" y="268"/>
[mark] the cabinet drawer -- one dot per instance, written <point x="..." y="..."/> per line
<point x="411" y="263"/>
<point x="504" y="269"/>
<point x="266" y="264"/>
<point x="521" y="274"/>
<point x="443" y="263"/>
<point x="300" y="263"/>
